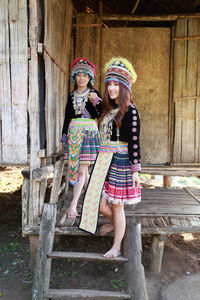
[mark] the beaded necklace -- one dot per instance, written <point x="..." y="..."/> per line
<point x="79" y="101"/>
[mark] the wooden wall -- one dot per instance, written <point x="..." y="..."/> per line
<point x="88" y="41"/>
<point x="13" y="81"/>
<point x="58" y="20"/>
<point x="149" y="51"/>
<point x="186" y="91"/>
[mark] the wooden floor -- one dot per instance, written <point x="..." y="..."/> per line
<point x="167" y="202"/>
<point x="161" y="211"/>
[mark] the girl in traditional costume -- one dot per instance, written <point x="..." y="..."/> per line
<point x="115" y="176"/>
<point x="80" y="136"/>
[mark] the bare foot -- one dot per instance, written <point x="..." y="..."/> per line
<point x="106" y="228"/>
<point x="72" y="213"/>
<point x="112" y="253"/>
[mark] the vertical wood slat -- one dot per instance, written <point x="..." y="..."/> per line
<point x="58" y="19"/>
<point x="179" y="83"/>
<point x="5" y="94"/>
<point x="87" y="42"/>
<point x="34" y="110"/>
<point x="186" y="83"/>
<point x="18" y="23"/>
<point x="25" y="200"/>
<point x="14" y="77"/>
<point x="46" y="238"/>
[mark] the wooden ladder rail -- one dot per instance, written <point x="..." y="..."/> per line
<point x="41" y="281"/>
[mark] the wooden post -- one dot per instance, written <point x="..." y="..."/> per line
<point x="25" y="200"/>
<point x="167" y="181"/>
<point x="135" y="271"/>
<point x="43" y="266"/>
<point x="59" y="165"/>
<point x="157" y="248"/>
<point x="34" y="113"/>
<point x="33" y="241"/>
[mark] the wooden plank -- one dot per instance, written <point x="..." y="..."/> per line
<point x="145" y="209"/>
<point x="56" y="55"/>
<point x="43" y="266"/>
<point x="186" y="128"/>
<point x="34" y="109"/>
<point x="25" y="200"/>
<point x="85" y="294"/>
<point x="172" y="170"/>
<point x="5" y="92"/>
<point x="194" y="196"/>
<point x="43" y="187"/>
<point x="136" y="285"/>
<point x="85" y="256"/>
<point x="69" y="231"/>
<point x="179" y="83"/>
<point x="13" y="86"/>
<point x="18" y="24"/>
<point x="120" y="17"/>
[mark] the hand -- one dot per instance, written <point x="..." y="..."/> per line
<point x="136" y="179"/>
<point x="92" y="96"/>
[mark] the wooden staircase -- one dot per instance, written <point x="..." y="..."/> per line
<point x="132" y="249"/>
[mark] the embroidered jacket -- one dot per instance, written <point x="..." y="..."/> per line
<point x="89" y="111"/>
<point x="129" y="132"/>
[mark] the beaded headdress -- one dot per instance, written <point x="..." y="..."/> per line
<point x="119" y="69"/>
<point x="82" y="65"/>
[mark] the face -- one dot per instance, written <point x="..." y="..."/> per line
<point x="113" y="90"/>
<point x="82" y="79"/>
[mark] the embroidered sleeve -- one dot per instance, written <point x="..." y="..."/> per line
<point x="95" y="108"/>
<point x="134" y="135"/>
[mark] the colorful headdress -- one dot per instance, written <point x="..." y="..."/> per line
<point x="82" y="65"/>
<point x="119" y="69"/>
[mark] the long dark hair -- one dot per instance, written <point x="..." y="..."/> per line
<point x="124" y="101"/>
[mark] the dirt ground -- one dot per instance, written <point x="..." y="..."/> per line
<point x="181" y="254"/>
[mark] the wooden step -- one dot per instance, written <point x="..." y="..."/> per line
<point x="70" y="294"/>
<point x="86" y="256"/>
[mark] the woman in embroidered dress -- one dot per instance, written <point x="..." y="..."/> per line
<point x="80" y="136"/>
<point x="120" y="123"/>
<point x="115" y="175"/>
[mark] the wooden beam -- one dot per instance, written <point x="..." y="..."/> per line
<point x="186" y="38"/>
<point x="43" y="172"/>
<point x="133" y="10"/>
<point x="135" y="18"/>
<point x="172" y="171"/>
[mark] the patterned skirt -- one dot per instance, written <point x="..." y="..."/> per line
<point x="81" y="145"/>
<point x="118" y="185"/>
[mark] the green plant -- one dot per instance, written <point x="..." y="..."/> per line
<point x="116" y="283"/>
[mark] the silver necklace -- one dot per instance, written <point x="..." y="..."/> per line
<point x="106" y="126"/>
<point x="79" y="101"/>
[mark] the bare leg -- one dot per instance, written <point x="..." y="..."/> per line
<point x="72" y="211"/>
<point x="86" y="179"/>
<point x="106" y="210"/>
<point x="119" y="223"/>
